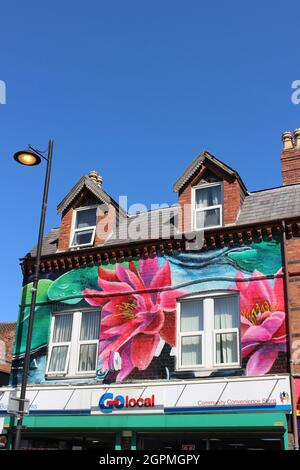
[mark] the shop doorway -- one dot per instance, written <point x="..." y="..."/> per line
<point x="192" y="441"/>
<point x="68" y="441"/>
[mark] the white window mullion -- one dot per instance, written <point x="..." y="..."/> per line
<point x="208" y="329"/>
<point x="75" y="342"/>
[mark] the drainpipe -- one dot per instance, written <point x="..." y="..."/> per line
<point x="290" y="338"/>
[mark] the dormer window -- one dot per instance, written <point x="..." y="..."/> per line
<point x="84" y="227"/>
<point x="207" y="206"/>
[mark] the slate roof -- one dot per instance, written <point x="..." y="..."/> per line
<point x="50" y="241"/>
<point x="260" y="206"/>
<point x="271" y="204"/>
<point x="151" y="225"/>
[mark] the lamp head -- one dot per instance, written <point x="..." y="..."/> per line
<point x="27" y="157"/>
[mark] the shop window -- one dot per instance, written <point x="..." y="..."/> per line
<point x="208" y="332"/>
<point x="207" y="206"/>
<point x="84" y="227"/>
<point x="73" y="349"/>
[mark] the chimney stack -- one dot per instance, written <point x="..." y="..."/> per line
<point x="297" y="138"/>
<point x="290" y="157"/>
<point x="94" y="176"/>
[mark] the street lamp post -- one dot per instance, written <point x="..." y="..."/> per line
<point x="32" y="157"/>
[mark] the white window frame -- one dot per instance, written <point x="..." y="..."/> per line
<point x="208" y="334"/>
<point x="195" y="210"/>
<point x="80" y="343"/>
<point x="189" y="334"/>
<point x="72" y="362"/>
<point x="84" y="229"/>
<point x="230" y="331"/>
<point x="52" y="345"/>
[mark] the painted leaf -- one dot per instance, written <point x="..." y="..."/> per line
<point x="73" y="283"/>
<point x="42" y="318"/>
<point x="264" y="257"/>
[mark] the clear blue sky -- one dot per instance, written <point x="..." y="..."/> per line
<point x="136" y="89"/>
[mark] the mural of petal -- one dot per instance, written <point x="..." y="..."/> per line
<point x="142" y="350"/>
<point x="262" y="360"/>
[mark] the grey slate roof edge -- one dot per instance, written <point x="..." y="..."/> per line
<point x="96" y="190"/>
<point x="71" y="194"/>
<point x="276" y="188"/>
<point x="190" y="170"/>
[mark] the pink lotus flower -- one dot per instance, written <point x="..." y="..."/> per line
<point x="263" y="329"/>
<point x="133" y="322"/>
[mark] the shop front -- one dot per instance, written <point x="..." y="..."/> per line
<point x="234" y="414"/>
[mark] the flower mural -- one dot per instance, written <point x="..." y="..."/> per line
<point x="263" y="322"/>
<point x="138" y="310"/>
<point x="136" y="313"/>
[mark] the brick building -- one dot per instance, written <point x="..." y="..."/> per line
<point x="7" y="336"/>
<point x="171" y="328"/>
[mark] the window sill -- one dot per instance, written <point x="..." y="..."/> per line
<point x="79" y="247"/>
<point x="203" y="229"/>
<point x="208" y="371"/>
<point x="70" y="377"/>
<point x="206" y="374"/>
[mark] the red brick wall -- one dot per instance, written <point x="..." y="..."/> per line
<point x="184" y="202"/>
<point x="65" y="229"/>
<point x="232" y="201"/>
<point x="106" y="222"/>
<point x="290" y="166"/>
<point x="7" y="335"/>
<point x="293" y="259"/>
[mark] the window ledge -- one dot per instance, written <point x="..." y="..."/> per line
<point x="68" y="377"/>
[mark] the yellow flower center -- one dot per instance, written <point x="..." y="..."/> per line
<point x="256" y="311"/>
<point x="126" y="309"/>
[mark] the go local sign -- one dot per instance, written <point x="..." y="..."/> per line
<point x="108" y="402"/>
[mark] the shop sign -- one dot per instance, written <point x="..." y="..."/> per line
<point x="269" y="393"/>
<point x="108" y="402"/>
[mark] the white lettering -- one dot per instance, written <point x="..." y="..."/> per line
<point x="296" y="94"/>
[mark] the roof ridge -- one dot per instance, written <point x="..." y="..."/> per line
<point x="275" y="187"/>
